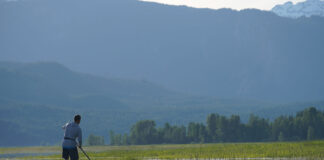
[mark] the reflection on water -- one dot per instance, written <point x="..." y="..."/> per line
<point x="16" y="155"/>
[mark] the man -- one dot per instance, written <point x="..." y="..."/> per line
<point x="72" y="132"/>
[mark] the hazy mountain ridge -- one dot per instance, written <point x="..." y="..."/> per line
<point x="220" y="53"/>
<point x="35" y="101"/>
<point x="52" y="83"/>
<point x="37" y="83"/>
<point x="308" y="8"/>
<point x="37" y="98"/>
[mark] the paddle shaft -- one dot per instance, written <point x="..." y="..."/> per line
<point x="84" y="153"/>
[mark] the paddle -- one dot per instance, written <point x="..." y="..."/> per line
<point x="84" y="152"/>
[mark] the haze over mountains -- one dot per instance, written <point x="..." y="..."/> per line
<point x="36" y="99"/>
<point x="222" y="53"/>
<point x="166" y="63"/>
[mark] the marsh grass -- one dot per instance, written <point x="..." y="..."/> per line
<point x="307" y="150"/>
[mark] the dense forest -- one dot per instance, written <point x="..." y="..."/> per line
<point x="305" y="125"/>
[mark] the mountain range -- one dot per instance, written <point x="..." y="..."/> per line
<point x="36" y="99"/>
<point x="248" y="54"/>
<point x="119" y="61"/>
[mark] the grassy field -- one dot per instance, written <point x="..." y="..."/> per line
<point x="307" y="150"/>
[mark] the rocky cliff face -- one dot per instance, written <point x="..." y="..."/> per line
<point x="307" y="9"/>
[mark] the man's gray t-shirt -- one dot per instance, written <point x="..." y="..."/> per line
<point x="72" y="132"/>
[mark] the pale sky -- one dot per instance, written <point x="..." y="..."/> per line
<point x="234" y="4"/>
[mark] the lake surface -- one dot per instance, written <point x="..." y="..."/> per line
<point x="16" y="155"/>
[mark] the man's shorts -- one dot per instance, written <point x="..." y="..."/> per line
<point x="70" y="152"/>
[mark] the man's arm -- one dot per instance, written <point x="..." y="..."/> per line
<point x="80" y="137"/>
<point x="64" y="126"/>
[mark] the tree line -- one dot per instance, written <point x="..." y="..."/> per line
<point x="305" y="125"/>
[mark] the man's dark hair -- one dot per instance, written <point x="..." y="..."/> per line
<point x="77" y="118"/>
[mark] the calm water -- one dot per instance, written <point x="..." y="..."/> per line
<point x="16" y="155"/>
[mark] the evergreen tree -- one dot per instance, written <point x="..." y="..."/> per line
<point x="112" y="137"/>
<point x="94" y="140"/>
<point x="125" y="140"/>
<point x="144" y="132"/>
<point x="310" y="133"/>
<point x="211" y="127"/>
<point x="281" y="137"/>
<point x="306" y="125"/>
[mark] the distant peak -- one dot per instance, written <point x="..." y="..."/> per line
<point x="302" y="9"/>
<point x="289" y="3"/>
